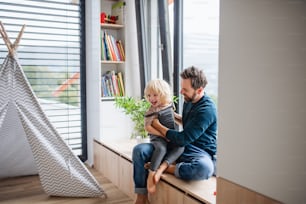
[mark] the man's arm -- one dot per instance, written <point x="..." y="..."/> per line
<point x="158" y="126"/>
<point x="150" y="129"/>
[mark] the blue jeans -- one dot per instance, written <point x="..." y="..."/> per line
<point x="193" y="164"/>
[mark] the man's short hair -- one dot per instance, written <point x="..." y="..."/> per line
<point x="197" y="76"/>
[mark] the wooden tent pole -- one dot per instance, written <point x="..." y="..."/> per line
<point x="16" y="43"/>
<point x="5" y="38"/>
<point x="11" y="47"/>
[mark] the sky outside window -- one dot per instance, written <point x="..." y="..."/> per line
<point x="201" y="38"/>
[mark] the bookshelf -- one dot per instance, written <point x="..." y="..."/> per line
<point x="113" y="67"/>
<point x="112" y="43"/>
<point x="105" y="122"/>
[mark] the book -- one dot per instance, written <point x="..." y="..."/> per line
<point x="114" y="46"/>
<point x="121" y="83"/>
<point x="119" y="86"/>
<point x="119" y="51"/>
<point x="105" y="92"/>
<point x="115" y="83"/>
<point x="107" y="85"/>
<point x="103" y="53"/>
<point x="110" y="48"/>
<point x="119" y="43"/>
<point x="107" y="51"/>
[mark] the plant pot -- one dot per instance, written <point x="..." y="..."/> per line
<point x="140" y="139"/>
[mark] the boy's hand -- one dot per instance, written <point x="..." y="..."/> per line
<point x="162" y="129"/>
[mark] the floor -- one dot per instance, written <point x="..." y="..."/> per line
<point x="27" y="189"/>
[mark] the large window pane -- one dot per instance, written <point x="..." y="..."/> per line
<point x="49" y="53"/>
<point x="200" y="39"/>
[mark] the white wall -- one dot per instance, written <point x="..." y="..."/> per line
<point x="92" y="21"/>
<point x="262" y="97"/>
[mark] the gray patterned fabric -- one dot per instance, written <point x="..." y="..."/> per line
<point x="61" y="172"/>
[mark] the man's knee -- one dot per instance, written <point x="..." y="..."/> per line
<point x="141" y="151"/>
<point x="137" y="151"/>
<point x="204" y="169"/>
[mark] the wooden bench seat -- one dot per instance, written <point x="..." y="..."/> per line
<point x="169" y="190"/>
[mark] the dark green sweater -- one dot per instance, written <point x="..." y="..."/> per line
<point x="199" y="126"/>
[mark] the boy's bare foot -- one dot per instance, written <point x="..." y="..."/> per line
<point x="141" y="199"/>
<point x="151" y="186"/>
<point x="163" y="167"/>
<point x="157" y="175"/>
<point x="170" y="169"/>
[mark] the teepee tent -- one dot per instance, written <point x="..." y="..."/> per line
<point x="61" y="172"/>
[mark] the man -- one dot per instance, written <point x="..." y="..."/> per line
<point x="199" y="136"/>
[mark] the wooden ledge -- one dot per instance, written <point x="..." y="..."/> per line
<point x="203" y="190"/>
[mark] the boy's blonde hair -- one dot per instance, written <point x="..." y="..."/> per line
<point x="160" y="87"/>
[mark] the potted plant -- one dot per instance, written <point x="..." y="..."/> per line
<point x="135" y="108"/>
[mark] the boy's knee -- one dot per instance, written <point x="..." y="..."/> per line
<point x="161" y="149"/>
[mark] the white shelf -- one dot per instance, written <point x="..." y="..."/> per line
<point x="113" y="120"/>
<point x="111" y="62"/>
<point x="111" y="26"/>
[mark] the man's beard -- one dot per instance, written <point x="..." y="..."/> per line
<point x="190" y="99"/>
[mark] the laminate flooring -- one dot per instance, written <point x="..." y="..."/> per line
<point x="28" y="190"/>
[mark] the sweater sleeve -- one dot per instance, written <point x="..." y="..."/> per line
<point x="200" y="121"/>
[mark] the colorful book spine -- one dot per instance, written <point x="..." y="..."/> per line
<point x="110" y="48"/>
<point x="121" y="83"/>
<point x="119" y="44"/>
<point x="107" y="51"/>
<point x="114" y="46"/>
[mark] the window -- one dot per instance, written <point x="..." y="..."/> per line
<point x="192" y="27"/>
<point x="200" y="35"/>
<point x="201" y="39"/>
<point x="49" y="53"/>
